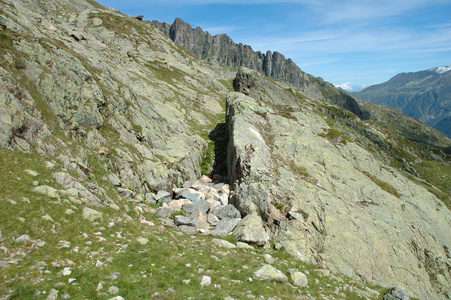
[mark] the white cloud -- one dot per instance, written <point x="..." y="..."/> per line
<point x="345" y="86"/>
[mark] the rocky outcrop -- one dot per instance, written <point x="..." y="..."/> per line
<point x="113" y="84"/>
<point x="327" y="199"/>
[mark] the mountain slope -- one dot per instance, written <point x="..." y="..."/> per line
<point x="424" y="95"/>
<point x="106" y="126"/>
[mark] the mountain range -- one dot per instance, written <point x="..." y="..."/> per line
<point x="132" y="169"/>
<point x="424" y="95"/>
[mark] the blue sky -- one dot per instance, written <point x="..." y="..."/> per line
<point x="351" y="43"/>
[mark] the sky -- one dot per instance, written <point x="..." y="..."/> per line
<point x="350" y="43"/>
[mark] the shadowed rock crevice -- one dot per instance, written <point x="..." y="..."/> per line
<point x="219" y="138"/>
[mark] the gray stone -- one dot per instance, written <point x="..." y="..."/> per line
<point x="192" y="195"/>
<point x="228" y="211"/>
<point x="163" y="196"/>
<point x="396" y="293"/>
<point x="46" y="190"/>
<point x="226" y="225"/>
<point x="223" y="243"/>
<point x="114" y="179"/>
<point x="142" y="241"/>
<point x="268" y="272"/>
<point x="125" y="193"/>
<point x="163" y="212"/>
<point x="31" y="172"/>
<point x="298" y="278"/>
<point x="23" y="238"/>
<point x="182" y="220"/>
<point x="251" y="230"/>
<point x="205" y="281"/>
<point x="224" y="199"/>
<point x="91" y="214"/>
<point x="242" y="245"/>
<point x="201" y="205"/>
<point x="188" y="230"/>
<point x="53" y="294"/>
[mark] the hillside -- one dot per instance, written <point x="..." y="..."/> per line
<point x="424" y="95"/>
<point x="131" y="169"/>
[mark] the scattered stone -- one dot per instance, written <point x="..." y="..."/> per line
<point x="229" y="211"/>
<point x="212" y="219"/>
<point x="99" y="264"/>
<point x="205" y="179"/>
<point x="65" y="295"/>
<point x="91" y="214"/>
<point x="40" y="244"/>
<point x="396" y="293"/>
<point x="23" y="238"/>
<point x="268" y="258"/>
<point x="242" y="245"/>
<point x="113" y="276"/>
<point x="49" y="165"/>
<point x="268" y="272"/>
<point x="206" y="281"/>
<point x="224" y="199"/>
<point x="186" y="281"/>
<point x="182" y="220"/>
<point x="163" y="212"/>
<point x="114" y="179"/>
<point x="53" y="294"/>
<point x="11" y="201"/>
<point x="163" y="196"/>
<point x="113" y="290"/>
<point x="299" y="279"/>
<point x="126" y="193"/>
<point x="177" y="204"/>
<point x="31" y="173"/>
<point x="67" y="271"/>
<point x="202" y="205"/>
<point x="69" y="211"/>
<point x="46" y="190"/>
<point x="322" y="272"/>
<point x="226" y="225"/>
<point x="200" y="220"/>
<point x="142" y="241"/>
<point x="223" y="243"/>
<point x="192" y="195"/>
<point x="188" y="230"/>
<point x="47" y="218"/>
<point x="70" y="280"/>
<point x="117" y="298"/>
<point x="251" y="230"/>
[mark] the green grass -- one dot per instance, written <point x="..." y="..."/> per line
<point x="382" y="184"/>
<point x="144" y="269"/>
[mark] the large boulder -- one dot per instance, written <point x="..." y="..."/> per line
<point x="251" y="230"/>
<point x="268" y="272"/>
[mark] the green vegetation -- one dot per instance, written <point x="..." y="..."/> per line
<point x="382" y="184"/>
<point x="335" y="136"/>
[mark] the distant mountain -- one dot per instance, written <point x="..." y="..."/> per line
<point x="424" y="95"/>
<point x="222" y="50"/>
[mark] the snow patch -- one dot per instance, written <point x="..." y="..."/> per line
<point x="441" y="70"/>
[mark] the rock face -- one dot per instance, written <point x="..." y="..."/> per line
<point x="97" y="77"/>
<point x="423" y="95"/>
<point x="354" y="212"/>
